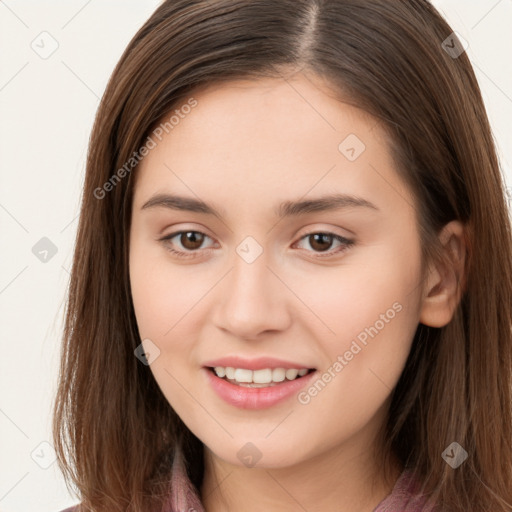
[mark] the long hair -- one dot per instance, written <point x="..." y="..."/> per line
<point x="114" y="432"/>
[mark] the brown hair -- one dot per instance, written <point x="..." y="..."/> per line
<point x="114" y="432"/>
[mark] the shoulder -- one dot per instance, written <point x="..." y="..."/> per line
<point x="71" y="509"/>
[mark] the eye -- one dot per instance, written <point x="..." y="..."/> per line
<point x="321" y="242"/>
<point x="192" y="240"/>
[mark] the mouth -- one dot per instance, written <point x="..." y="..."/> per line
<point x="257" y="395"/>
<point x="262" y="378"/>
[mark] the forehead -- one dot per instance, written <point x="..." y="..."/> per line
<point x="251" y="141"/>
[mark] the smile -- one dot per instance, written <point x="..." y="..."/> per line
<point x="257" y="389"/>
<point x="258" y="378"/>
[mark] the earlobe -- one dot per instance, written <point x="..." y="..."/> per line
<point x="445" y="279"/>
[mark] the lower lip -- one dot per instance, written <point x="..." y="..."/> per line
<point x="256" y="398"/>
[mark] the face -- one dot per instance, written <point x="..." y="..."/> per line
<point x="304" y="256"/>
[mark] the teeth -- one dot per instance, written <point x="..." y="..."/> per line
<point x="243" y="375"/>
<point x="220" y="371"/>
<point x="262" y="376"/>
<point x="265" y="376"/>
<point x="278" y="374"/>
<point x="291" y="374"/>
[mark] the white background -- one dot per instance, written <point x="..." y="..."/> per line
<point x="46" y="112"/>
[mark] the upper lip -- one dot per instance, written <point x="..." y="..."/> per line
<point x="258" y="363"/>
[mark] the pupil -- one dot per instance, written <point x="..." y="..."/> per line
<point x="192" y="237"/>
<point x="320" y="236"/>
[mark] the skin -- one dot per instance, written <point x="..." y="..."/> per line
<point x="245" y="147"/>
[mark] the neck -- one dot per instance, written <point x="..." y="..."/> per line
<point x="341" y="480"/>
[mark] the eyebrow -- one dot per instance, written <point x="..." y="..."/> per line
<point x="285" y="209"/>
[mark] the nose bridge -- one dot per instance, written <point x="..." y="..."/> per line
<point x="252" y="298"/>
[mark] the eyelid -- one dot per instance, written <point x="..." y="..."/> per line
<point x="184" y="254"/>
<point x="346" y="243"/>
<point x="167" y="238"/>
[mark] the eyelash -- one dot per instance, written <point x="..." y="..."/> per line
<point x="193" y="254"/>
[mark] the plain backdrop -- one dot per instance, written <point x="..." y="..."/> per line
<point x="47" y="105"/>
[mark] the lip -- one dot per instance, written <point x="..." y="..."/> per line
<point x="256" y="398"/>
<point x="259" y="363"/>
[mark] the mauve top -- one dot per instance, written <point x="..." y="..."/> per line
<point x="404" y="497"/>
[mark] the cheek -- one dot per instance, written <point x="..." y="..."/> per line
<point x="372" y="311"/>
<point x="165" y="297"/>
<point x="365" y="291"/>
<point x="164" y="294"/>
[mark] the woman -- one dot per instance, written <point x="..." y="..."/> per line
<point x="217" y="355"/>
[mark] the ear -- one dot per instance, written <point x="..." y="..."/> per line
<point x="445" y="280"/>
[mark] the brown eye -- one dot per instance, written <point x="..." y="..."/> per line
<point x="185" y="244"/>
<point x="191" y="240"/>
<point x="320" y="241"/>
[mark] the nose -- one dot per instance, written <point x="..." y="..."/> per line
<point x="252" y="300"/>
